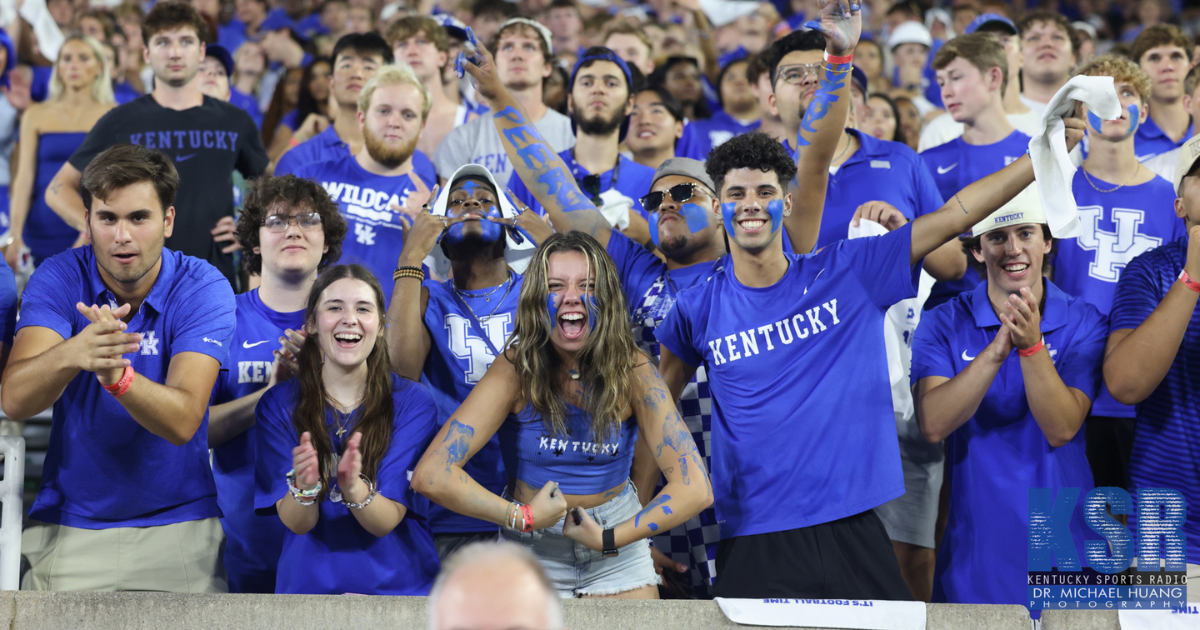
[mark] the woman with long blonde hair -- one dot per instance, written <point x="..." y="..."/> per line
<point x="567" y="400"/>
<point x="80" y="93"/>
<point x="334" y="448"/>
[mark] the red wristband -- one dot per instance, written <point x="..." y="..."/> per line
<point x="527" y="511"/>
<point x="839" y="59"/>
<point x="122" y="385"/>
<point x="1034" y="349"/>
<point x="1188" y="282"/>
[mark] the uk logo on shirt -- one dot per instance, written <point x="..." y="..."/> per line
<point x="149" y="344"/>
<point x="1114" y="250"/>
<point x="468" y="346"/>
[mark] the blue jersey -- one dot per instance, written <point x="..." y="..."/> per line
<point x="702" y="136"/>
<point x="252" y="542"/>
<point x="879" y="171"/>
<point x="956" y="165"/>
<point x="1167" y="438"/>
<point x="248" y="105"/>
<point x="338" y="555"/>
<point x="793" y="446"/>
<point x="376" y="234"/>
<point x="458" y="357"/>
<point x="651" y="293"/>
<point x="102" y="468"/>
<point x="629" y="178"/>
<point x="1000" y="453"/>
<point x="1118" y="226"/>
<point x="1150" y="140"/>
<point x="328" y="146"/>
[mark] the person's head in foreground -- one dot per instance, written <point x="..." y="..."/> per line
<point x="494" y="586"/>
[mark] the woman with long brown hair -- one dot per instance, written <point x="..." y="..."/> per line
<point x="567" y="400"/>
<point x="349" y="431"/>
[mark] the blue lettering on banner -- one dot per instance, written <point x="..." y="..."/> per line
<point x="1107" y="581"/>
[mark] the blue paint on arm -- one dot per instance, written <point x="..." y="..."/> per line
<point x="823" y="100"/>
<point x="659" y="500"/>
<point x="458" y="443"/>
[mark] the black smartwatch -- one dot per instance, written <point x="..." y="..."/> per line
<point x="610" y="544"/>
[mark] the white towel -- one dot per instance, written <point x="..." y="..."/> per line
<point x="49" y="37"/>
<point x="1052" y="165"/>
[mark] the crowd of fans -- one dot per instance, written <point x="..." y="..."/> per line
<point x="323" y="293"/>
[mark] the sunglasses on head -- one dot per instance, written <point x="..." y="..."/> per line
<point x="679" y="193"/>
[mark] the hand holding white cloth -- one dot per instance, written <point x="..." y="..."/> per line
<point x="1052" y="165"/>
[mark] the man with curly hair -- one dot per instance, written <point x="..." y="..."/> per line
<point x="289" y="230"/>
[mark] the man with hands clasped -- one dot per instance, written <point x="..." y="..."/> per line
<point x="125" y="339"/>
<point x="1006" y="374"/>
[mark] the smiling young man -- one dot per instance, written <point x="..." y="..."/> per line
<point x="1124" y="211"/>
<point x="600" y="102"/>
<point x="372" y="186"/>
<point x="655" y="126"/>
<point x="972" y="71"/>
<point x="1165" y="53"/>
<point x="523" y="57"/>
<point x="124" y="338"/>
<point x="207" y="139"/>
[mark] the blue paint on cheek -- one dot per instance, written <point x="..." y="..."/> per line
<point x="775" y="210"/>
<point x="654" y="228"/>
<point x="492" y="232"/>
<point x="593" y="310"/>
<point x="455" y="234"/>
<point x="729" y="211"/>
<point x="695" y="216"/>
<point x="552" y="309"/>
<point x="1134" y="122"/>
<point x="1094" y="121"/>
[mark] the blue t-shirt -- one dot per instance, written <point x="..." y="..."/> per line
<point x="879" y="171"/>
<point x="327" y="146"/>
<point x="375" y="233"/>
<point x="1117" y="227"/>
<point x="102" y="468"/>
<point x="1150" y="140"/>
<point x="1001" y="452"/>
<point x="702" y="136"/>
<point x="633" y="181"/>
<point x="956" y="165"/>
<point x="123" y="93"/>
<point x="252" y="543"/>
<point x="1167" y="438"/>
<point x="248" y="104"/>
<point x="338" y="555"/>
<point x="458" y="357"/>
<point x="794" y="446"/>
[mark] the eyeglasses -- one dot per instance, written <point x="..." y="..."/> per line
<point x="795" y="75"/>
<point x="591" y="186"/>
<point x="280" y="223"/>
<point x="679" y="192"/>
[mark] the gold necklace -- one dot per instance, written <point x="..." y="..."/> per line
<point x="849" y="142"/>
<point x="1119" y="186"/>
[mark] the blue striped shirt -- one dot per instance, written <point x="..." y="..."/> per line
<point x="1167" y="441"/>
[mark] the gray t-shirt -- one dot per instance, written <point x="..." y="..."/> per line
<point x="478" y="142"/>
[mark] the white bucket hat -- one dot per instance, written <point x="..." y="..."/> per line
<point x="1026" y="207"/>
<point x="516" y="254"/>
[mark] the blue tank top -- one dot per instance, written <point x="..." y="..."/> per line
<point x="45" y="234"/>
<point x="533" y="455"/>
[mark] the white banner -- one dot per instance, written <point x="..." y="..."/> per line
<point x="859" y="614"/>
<point x="1184" y="619"/>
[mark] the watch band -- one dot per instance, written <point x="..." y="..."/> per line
<point x="610" y="543"/>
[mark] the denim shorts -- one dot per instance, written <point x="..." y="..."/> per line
<point x="577" y="571"/>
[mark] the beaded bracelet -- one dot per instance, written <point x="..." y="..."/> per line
<point x="303" y="497"/>
<point x="408" y="272"/>
<point x="370" y="494"/>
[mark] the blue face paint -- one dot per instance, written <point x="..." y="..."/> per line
<point x="491" y="232"/>
<point x="593" y="310"/>
<point x="729" y="211"/>
<point x="1134" y="121"/>
<point x="552" y="309"/>
<point x="695" y="217"/>
<point x="654" y="229"/>
<point x="774" y="210"/>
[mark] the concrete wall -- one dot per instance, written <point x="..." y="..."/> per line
<point x="161" y="611"/>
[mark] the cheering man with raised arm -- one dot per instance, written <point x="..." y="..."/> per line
<point x="798" y="459"/>
<point x="124" y="338"/>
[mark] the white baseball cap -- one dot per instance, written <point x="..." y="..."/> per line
<point x="1189" y="153"/>
<point x="516" y="254"/>
<point x="1026" y="207"/>
<point x="910" y="33"/>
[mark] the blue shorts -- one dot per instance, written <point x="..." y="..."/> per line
<point x="577" y="571"/>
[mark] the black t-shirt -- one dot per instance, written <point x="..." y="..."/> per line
<point x="207" y="143"/>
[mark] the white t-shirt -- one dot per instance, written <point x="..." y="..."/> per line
<point x="1034" y="105"/>
<point x="478" y="142"/>
<point x="1163" y="164"/>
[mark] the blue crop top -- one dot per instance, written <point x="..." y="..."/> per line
<point x="534" y="456"/>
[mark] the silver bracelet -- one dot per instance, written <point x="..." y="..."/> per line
<point x="370" y="494"/>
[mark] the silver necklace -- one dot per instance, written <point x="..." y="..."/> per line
<point x="463" y="295"/>
<point x="486" y="296"/>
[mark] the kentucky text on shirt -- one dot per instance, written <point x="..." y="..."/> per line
<point x="784" y="327"/>
<point x="190" y="139"/>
